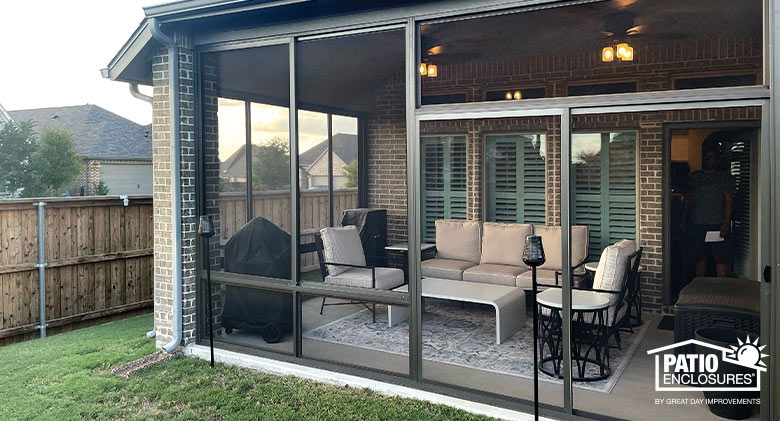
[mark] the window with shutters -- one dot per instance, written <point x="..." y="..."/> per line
<point x="515" y="183"/>
<point x="604" y="187"/>
<point x="443" y="181"/>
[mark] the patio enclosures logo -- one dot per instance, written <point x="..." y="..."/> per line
<point x="710" y="368"/>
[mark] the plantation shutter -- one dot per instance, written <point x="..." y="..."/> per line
<point x="443" y="181"/>
<point x="740" y="170"/>
<point x="604" y="187"/>
<point x="515" y="178"/>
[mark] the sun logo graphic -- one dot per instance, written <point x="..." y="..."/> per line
<point x="711" y="368"/>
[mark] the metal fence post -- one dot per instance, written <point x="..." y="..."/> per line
<point x="41" y="265"/>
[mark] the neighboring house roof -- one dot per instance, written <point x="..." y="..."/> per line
<point x="235" y="165"/>
<point x="98" y="133"/>
<point x="344" y="146"/>
<point x="4" y="116"/>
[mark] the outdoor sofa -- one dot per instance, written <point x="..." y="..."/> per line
<point x="492" y="252"/>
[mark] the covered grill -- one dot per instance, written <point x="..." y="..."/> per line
<point x="258" y="248"/>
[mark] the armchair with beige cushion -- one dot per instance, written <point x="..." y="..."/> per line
<point x="343" y="262"/>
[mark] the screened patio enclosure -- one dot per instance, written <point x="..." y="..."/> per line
<point x="446" y="132"/>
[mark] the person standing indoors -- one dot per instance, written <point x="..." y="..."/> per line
<point x="708" y="205"/>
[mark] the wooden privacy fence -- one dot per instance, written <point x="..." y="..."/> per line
<point x="98" y="254"/>
<point x="275" y="206"/>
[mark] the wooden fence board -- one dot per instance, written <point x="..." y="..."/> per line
<point x="99" y="258"/>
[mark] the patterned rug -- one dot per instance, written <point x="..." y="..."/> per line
<point x="464" y="337"/>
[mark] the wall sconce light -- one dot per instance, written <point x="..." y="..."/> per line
<point x="432" y="70"/>
<point x="518" y="95"/>
<point x="628" y="55"/>
<point x="423" y="69"/>
<point x="607" y="54"/>
<point x="508" y="95"/>
<point x="625" y="52"/>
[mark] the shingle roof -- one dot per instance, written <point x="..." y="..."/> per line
<point x="344" y="146"/>
<point x="98" y="133"/>
<point x="4" y="116"/>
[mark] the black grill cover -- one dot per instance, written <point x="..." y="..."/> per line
<point x="372" y="225"/>
<point x="258" y="248"/>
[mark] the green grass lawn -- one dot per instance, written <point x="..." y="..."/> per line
<point x="68" y="377"/>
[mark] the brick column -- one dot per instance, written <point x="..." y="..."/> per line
<point x="163" y="218"/>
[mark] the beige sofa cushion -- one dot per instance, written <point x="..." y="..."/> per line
<point x="458" y="240"/>
<point x="551" y="241"/>
<point x="543" y="276"/>
<point x="493" y="274"/>
<point x="445" y="268"/>
<point x="342" y="245"/>
<point x="386" y="278"/>
<point x="503" y="244"/>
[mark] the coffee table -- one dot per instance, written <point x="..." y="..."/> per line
<point x="509" y="302"/>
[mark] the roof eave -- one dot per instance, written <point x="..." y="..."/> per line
<point x="188" y="9"/>
<point x="130" y="63"/>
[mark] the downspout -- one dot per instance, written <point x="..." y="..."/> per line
<point x="173" y="80"/>
<point x="137" y="94"/>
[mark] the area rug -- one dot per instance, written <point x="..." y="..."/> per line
<point x="464" y="337"/>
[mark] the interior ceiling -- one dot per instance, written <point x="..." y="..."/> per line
<point x="341" y="73"/>
<point x="344" y="73"/>
<point x="585" y="27"/>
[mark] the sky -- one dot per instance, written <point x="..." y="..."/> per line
<point x="51" y="53"/>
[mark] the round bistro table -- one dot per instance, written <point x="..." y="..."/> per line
<point x="589" y="336"/>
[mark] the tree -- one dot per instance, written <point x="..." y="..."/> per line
<point x="18" y="143"/>
<point x="55" y="164"/>
<point x="352" y="175"/>
<point x="271" y="165"/>
<point x="101" y="189"/>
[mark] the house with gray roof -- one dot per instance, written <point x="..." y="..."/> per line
<point x="114" y="149"/>
<point x="4" y="116"/>
<point x="313" y="162"/>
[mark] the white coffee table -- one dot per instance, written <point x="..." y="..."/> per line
<point x="509" y="302"/>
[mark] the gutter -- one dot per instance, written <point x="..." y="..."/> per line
<point x="173" y="80"/>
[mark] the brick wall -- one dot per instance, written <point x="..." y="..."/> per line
<point x="163" y="218"/>
<point x="386" y="156"/>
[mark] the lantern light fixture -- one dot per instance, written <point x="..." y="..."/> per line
<point x="607" y="54"/>
<point x="423" y="69"/>
<point x="433" y="71"/>
<point x="623" y="51"/>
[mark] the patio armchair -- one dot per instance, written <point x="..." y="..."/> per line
<point x="343" y="262"/>
<point x="617" y="271"/>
